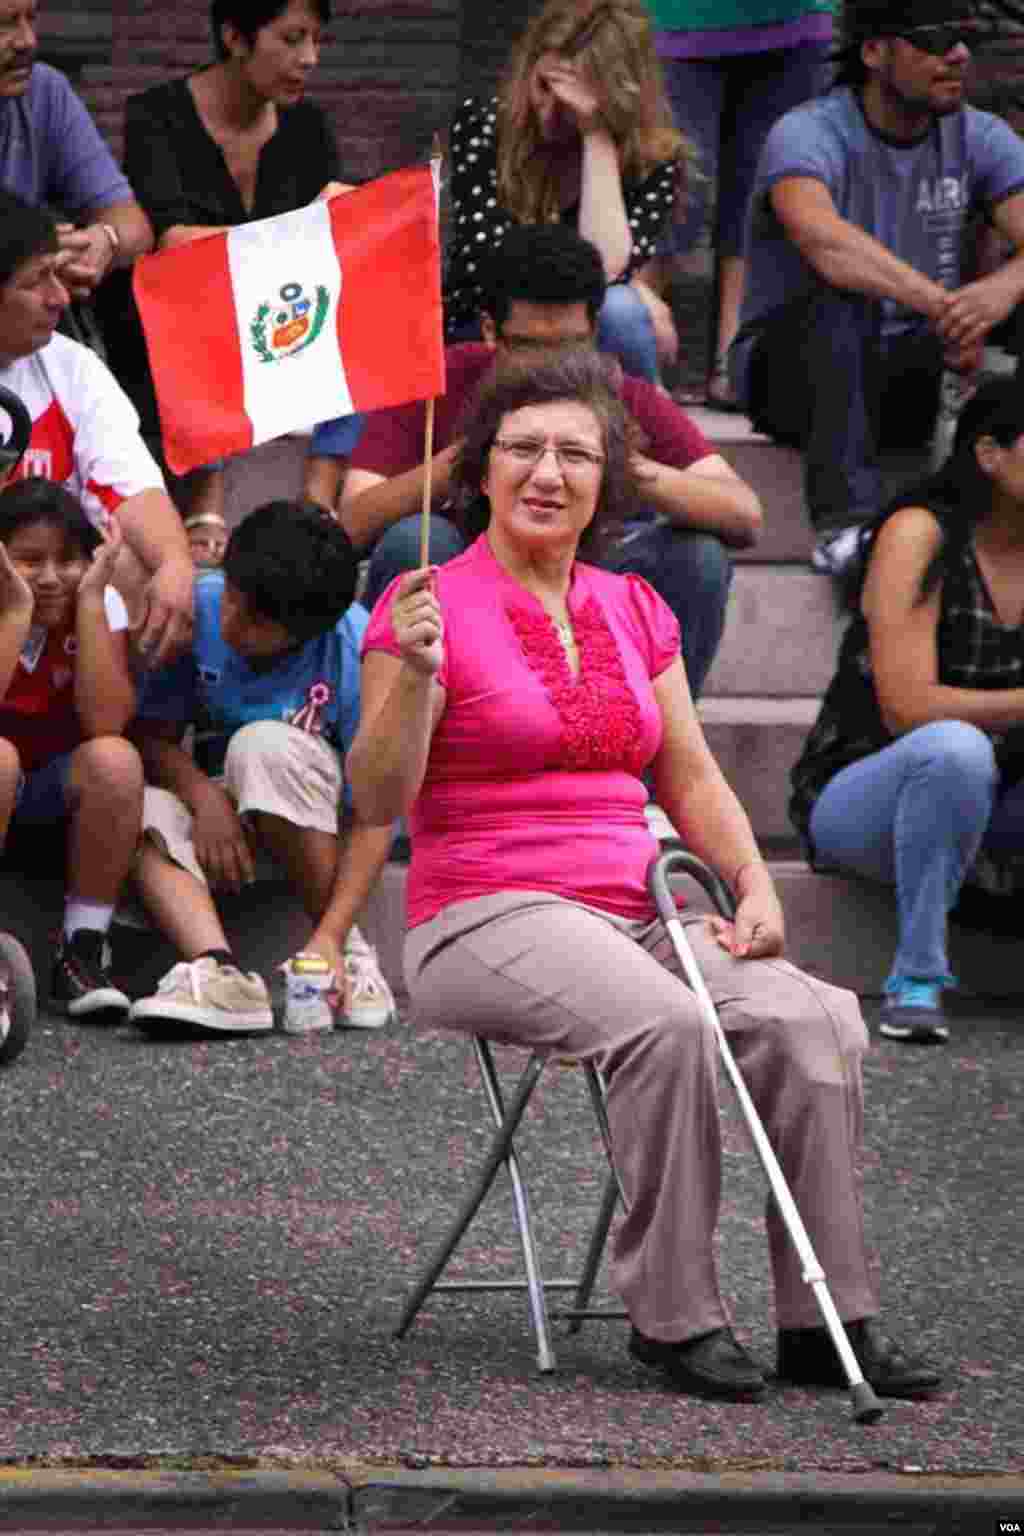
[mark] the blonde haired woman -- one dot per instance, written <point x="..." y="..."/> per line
<point x="580" y="131"/>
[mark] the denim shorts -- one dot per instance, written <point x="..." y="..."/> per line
<point x="43" y="793"/>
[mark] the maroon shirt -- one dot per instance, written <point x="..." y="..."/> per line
<point x="393" y="440"/>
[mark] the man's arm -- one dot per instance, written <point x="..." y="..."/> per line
<point x="112" y="237"/>
<point x="846" y="256"/>
<point x="370" y="502"/>
<point x="156" y="536"/>
<point x="708" y="495"/>
<point x="133" y="229"/>
<point x="977" y="307"/>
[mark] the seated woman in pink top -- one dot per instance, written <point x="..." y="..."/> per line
<point x="512" y="701"/>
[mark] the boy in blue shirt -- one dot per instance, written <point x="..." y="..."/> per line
<point x="272" y="686"/>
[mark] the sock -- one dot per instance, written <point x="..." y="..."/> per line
<point x="86" y="914"/>
<point x="222" y="956"/>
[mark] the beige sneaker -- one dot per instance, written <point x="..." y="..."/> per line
<point x="210" y="995"/>
<point x="370" y="1004"/>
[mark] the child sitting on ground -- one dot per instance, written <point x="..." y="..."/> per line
<point x="273" y="685"/>
<point x="66" y="695"/>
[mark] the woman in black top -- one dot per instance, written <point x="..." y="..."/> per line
<point x="914" y="771"/>
<point x="231" y="143"/>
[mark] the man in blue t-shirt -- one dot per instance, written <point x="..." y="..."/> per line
<point x="272" y="689"/>
<point x="51" y="154"/>
<point x="854" y="301"/>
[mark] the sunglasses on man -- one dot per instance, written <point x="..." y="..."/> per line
<point x="943" y="36"/>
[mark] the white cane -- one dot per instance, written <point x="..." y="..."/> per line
<point x="866" y="1407"/>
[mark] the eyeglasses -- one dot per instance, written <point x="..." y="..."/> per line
<point x="571" y="458"/>
<point x="941" y="37"/>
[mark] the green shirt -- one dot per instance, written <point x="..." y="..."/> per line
<point x="723" y="15"/>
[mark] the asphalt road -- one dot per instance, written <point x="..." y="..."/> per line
<point x="205" y="1244"/>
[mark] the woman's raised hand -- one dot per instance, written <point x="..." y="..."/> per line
<point x="559" y="83"/>
<point x="417" y="623"/>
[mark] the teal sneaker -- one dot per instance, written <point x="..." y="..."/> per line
<point x="912" y="1012"/>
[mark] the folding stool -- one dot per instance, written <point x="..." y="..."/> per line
<point x="502" y="1150"/>
<point x="506" y="1118"/>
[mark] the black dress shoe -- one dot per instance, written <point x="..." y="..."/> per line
<point x="807" y="1357"/>
<point x="712" y="1365"/>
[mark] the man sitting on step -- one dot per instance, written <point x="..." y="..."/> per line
<point x="544" y="288"/>
<point x="854" y="302"/>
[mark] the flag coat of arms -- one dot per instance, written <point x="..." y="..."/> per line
<point x="281" y="323"/>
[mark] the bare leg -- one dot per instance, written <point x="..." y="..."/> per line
<point x="181" y="907"/>
<point x="10" y="774"/>
<point x="105" y="788"/>
<point x="204" y="492"/>
<point x="308" y="857"/>
<point x="362" y="855"/>
<point x="731" y="275"/>
<point x="324" y="480"/>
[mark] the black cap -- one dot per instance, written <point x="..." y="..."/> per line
<point x="864" y="19"/>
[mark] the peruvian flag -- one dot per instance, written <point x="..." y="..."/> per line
<point x="276" y="325"/>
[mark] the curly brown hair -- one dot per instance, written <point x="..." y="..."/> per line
<point x="582" y="375"/>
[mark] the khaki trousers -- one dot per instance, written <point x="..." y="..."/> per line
<point x="531" y="968"/>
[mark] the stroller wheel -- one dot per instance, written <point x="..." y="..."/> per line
<point x="17" y="999"/>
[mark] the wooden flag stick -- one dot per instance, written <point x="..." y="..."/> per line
<point x="428" y="475"/>
<point x="428" y="439"/>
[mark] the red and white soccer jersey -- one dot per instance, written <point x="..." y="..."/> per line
<point x="37" y="713"/>
<point x="85" y="430"/>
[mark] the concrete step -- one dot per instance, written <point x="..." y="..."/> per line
<point x="781" y="635"/>
<point x="776" y="474"/>
<point x="756" y="742"/>
<point x="841" y="929"/>
<point x="265" y="473"/>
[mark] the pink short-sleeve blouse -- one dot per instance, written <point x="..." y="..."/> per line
<point x="533" y="781"/>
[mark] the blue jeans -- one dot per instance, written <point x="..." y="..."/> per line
<point x="821" y="375"/>
<point x="725" y="107"/>
<point x="690" y="571"/>
<point x="915" y="815"/>
<point x="626" y="330"/>
<point x="336" y="439"/>
<point x="398" y="550"/>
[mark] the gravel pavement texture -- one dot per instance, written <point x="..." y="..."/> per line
<point x="205" y="1245"/>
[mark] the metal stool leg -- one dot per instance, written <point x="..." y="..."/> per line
<point x="501" y="1151"/>
<point x="613" y="1193"/>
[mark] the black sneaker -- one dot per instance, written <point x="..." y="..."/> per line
<point x="81" y="984"/>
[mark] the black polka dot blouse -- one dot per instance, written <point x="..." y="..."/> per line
<point x="478" y="221"/>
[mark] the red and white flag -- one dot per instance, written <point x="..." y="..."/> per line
<point x="276" y="325"/>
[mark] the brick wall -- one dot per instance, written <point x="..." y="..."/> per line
<point x="388" y="77"/>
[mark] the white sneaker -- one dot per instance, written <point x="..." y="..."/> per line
<point x="369" y="1003"/>
<point x="834" y="551"/>
<point x="213" y="996"/>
